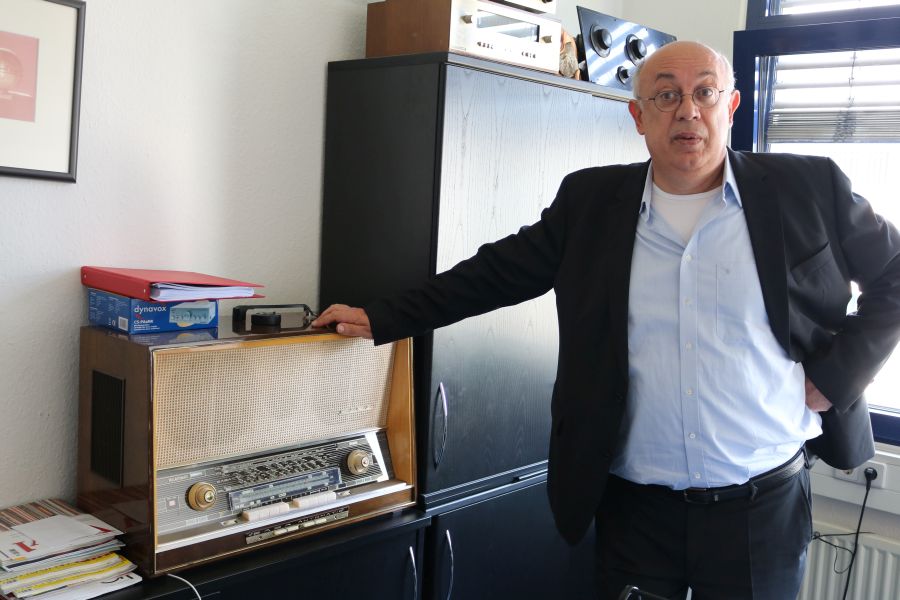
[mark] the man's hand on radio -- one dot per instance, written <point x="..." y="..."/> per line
<point x="349" y="321"/>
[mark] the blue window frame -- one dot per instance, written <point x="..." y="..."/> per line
<point x="780" y="35"/>
<point x="763" y="14"/>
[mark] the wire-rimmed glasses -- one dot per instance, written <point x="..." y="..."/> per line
<point x="669" y="100"/>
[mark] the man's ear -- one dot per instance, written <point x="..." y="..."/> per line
<point x="733" y="104"/>
<point x="637" y="114"/>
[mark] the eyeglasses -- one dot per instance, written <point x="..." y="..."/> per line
<point x="705" y="97"/>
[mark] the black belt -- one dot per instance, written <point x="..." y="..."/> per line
<point x="761" y="482"/>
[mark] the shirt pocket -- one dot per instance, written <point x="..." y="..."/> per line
<point x="739" y="302"/>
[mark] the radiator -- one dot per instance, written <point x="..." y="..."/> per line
<point x="876" y="570"/>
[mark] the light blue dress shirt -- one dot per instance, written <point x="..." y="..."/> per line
<point x="713" y="397"/>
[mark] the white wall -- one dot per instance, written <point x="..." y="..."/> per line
<point x="567" y="12"/>
<point x="201" y="149"/>
<point x="712" y="23"/>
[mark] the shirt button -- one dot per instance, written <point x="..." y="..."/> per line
<point x="688" y="258"/>
<point x="696" y="475"/>
<point x="688" y="301"/>
<point x="689" y="391"/>
<point x="692" y="436"/>
<point x="688" y="346"/>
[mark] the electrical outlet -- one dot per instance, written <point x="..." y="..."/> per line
<point x="857" y="475"/>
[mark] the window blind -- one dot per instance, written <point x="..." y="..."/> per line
<point x="794" y="7"/>
<point x="835" y="97"/>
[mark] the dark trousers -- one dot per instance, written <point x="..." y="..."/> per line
<point x="745" y="548"/>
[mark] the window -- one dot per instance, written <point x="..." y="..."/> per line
<point x="786" y="13"/>
<point x="817" y="78"/>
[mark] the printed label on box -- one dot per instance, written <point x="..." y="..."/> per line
<point x="139" y="316"/>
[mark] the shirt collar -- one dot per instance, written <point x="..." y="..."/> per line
<point x="730" y="191"/>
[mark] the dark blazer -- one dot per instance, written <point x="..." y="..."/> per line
<point x="810" y="235"/>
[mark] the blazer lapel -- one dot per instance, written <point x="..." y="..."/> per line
<point x="763" y="213"/>
<point x="621" y="225"/>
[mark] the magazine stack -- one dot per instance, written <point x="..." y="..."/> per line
<point x="50" y="550"/>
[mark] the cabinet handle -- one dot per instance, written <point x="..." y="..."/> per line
<point x="452" y="561"/>
<point x="415" y="573"/>
<point x="440" y="403"/>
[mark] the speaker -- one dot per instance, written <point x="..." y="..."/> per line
<point x="610" y="49"/>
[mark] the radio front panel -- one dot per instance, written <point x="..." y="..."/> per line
<point x="517" y="32"/>
<point x="245" y="442"/>
<point x="241" y="493"/>
<point x="498" y="32"/>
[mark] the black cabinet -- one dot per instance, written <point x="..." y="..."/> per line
<point x="389" y="568"/>
<point x="427" y="158"/>
<point x="506" y="547"/>
<point x="382" y="558"/>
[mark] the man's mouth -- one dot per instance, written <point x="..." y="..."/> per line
<point x="687" y="137"/>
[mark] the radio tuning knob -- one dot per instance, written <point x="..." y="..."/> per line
<point x="359" y="461"/>
<point x="201" y="496"/>
<point x="467" y="18"/>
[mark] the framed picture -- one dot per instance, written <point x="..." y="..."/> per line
<point x="41" y="44"/>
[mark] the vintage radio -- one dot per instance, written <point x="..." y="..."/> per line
<point x="201" y="446"/>
<point x="477" y="27"/>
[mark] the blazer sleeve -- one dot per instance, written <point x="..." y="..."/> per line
<point x="871" y="249"/>
<point x="516" y="268"/>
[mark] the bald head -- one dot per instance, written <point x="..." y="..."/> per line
<point x="682" y="50"/>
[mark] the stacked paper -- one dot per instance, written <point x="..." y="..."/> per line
<point x="50" y="550"/>
<point x="168" y="292"/>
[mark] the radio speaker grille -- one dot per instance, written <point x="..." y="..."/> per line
<point x="221" y="401"/>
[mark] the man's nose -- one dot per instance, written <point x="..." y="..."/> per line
<point x="688" y="109"/>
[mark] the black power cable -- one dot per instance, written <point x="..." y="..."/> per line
<point x="870" y="475"/>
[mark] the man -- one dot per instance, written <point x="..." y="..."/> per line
<point x="704" y="340"/>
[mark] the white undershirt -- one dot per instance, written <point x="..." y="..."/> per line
<point x="681" y="212"/>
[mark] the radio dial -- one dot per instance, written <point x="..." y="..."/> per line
<point x="201" y="496"/>
<point x="359" y="462"/>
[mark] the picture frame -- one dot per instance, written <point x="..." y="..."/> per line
<point x="41" y="49"/>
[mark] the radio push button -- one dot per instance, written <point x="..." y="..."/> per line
<point x="264" y="512"/>
<point x="201" y="496"/>
<point x="313" y="501"/>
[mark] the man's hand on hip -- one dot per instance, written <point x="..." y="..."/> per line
<point x="815" y="400"/>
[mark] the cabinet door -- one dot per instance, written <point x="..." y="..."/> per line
<point x="388" y="568"/>
<point x="506" y="547"/>
<point x="506" y="145"/>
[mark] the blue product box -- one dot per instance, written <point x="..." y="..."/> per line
<point x="140" y="316"/>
